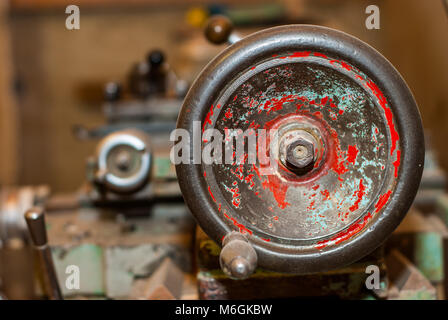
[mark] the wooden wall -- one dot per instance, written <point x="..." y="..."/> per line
<point x="8" y="106"/>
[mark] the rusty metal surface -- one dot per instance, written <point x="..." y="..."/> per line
<point x="356" y="168"/>
<point x="365" y="118"/>
<point x="344" y="283"/>
<point x="14" y="201"/>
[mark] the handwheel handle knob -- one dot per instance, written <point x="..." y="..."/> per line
<point x="238" y="258"/>
<point x="218" y="29"/>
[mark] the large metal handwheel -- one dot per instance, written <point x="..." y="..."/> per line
<point x="331" y="98"/>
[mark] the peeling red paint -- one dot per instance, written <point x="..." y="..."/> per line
<point x="211" y="193"/>
<point x="382" y="201"/>
<point x="345" y="65"/>
<point x="312" y="205"/>
<point x="326" y="194"/>
<point x="339" y="158"/>
<point x="228" y="114"/>
<point x="388" y="112"/>
<point x="338" y="165"/>
<point x="276" y="104"/>
<point x="359" y="194"/>
<point x="396" y="163"/>
<point x="318" y="54"/>
<point x="347" y="234"/>
<point x="240" y="226"/>
<point x="352" y="152"/>
<point x="277" y="187"/>
<point x="318" y="114"/>
<point x="300" y="54"/>
<point x="207" y="119"/>
<point x="235" y="195"/>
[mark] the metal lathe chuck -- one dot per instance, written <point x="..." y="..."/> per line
<point x="123" y="162"/>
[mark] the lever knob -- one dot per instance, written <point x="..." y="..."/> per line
<point x="238" y="258"/>
<point x="35" y="220"/>
<point x="218" y="29"/>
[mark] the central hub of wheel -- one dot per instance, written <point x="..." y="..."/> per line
<point x="299" y="146"/>
<point x="298" y="150"/>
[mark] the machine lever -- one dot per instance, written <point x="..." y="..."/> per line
<point x="219" y="30"/>
<point x="238" y="258"/>
<point x="35" y="220"/>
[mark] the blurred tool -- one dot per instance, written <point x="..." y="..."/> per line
<point x="149" y="101"/>
<point x="259" y="14"/>
<point x="219" y="29"/>
<point x="16" y="255"/>
<point x="123" y="162"/>
<point x="35" y="221"/>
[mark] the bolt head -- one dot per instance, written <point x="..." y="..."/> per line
<point x="298" y="151"/>
<point x="123" y="160"/>
<point x="299" y="154"/>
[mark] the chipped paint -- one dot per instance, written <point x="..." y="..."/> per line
<point x="351" y="163"/>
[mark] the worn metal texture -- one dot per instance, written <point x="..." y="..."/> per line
<point x="354" y="174"/>
<point x="344" y="283"/>
<point x="14" y="201"/>
<point x="372" y="134"/>
<point x="113" y="253"/>
<point x="421" y="238"/>
<point x="406" y="281"/>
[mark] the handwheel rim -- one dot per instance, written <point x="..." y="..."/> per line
<point x="337" y="45"/>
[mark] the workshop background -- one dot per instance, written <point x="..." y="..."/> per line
<point x="52" y="84"/>
<point x="58" y="74"/>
